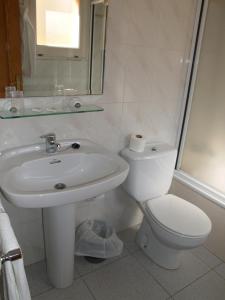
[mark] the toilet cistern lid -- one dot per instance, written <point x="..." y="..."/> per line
<point x="179" y="215"/>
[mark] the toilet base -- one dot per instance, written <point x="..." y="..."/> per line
<point x="162" y="255"/>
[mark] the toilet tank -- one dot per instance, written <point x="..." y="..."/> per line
<point x="151" y="171"/>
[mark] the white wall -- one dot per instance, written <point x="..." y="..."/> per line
<point x="148" y="44"/>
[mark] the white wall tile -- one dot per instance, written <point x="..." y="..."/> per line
<point x="30" y="238"/>
<point x="143" y="24"/>
<point x="176" y="23"/>
<point x="118" y="20"/>
<point x="138" y="74"/>
<point x="168" y="72"/>
<point x="150" y="119"/>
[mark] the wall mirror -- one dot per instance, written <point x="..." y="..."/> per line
<point x="63" y="46"/>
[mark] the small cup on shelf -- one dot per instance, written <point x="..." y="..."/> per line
<point x="17" y="102"/>
<point x="9" y="90"/>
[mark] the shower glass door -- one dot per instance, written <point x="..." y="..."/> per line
<point x="203" y="155"/>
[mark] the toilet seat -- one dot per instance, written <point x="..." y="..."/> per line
<point x="179" y="216"/>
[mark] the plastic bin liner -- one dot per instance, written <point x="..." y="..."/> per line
<point x="97" y="239"/>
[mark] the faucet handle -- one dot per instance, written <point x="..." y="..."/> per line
<point x="48" y="135"/>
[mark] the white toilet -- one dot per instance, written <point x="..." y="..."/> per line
<point x="170" y="224"/>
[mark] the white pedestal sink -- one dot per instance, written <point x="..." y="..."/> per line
<point x="32" y="178"/>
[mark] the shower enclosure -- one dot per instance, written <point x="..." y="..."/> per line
<point x="202" y="146"/>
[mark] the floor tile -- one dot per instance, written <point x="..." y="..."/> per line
<point x="220" y="270"/>
<point x="128" y="238"/>
<point x="78" y="291"/>
<point x="209" y="287"/>
<point x="174" y="280"/>
<point x="206" y="256"/>
<point x="84" y="267"/>
<point x="124" y="279"/>
<point x="37" y="278"/>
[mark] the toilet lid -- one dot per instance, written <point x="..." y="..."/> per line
<point x="179" y="215"/>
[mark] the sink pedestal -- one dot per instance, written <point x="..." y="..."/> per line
<point x="59" y="234"/>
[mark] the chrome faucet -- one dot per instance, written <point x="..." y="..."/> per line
<point x="51" y="145"/>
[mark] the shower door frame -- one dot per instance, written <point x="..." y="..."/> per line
<point x="198" y="34"/>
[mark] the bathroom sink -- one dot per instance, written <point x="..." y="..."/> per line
<point x="32" y="178"/>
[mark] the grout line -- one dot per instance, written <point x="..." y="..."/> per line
<point x="99" y="267"/>
<point x="76" y="277"/>
<point x="221" y="276"/>
<point x="213" y="268"/>
<point x="35" y="263"/>
<point x="41" y="293"/>
<point x="153" y="277"/>
<point x="90" y="291"/>
<point x="103" y="265"/>
<point x="124" y="66"/>
<point x="197" y="279"/>
<point x="76" y="269"/>
<point x="171" y="294"/>
<point x="81" y="276"/>
<point x="203" y="261"/>
<point x="222" y="261"/>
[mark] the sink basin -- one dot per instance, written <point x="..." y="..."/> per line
<point x="32" y="178"/>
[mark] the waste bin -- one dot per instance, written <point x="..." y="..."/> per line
<point x="96" y="241"/>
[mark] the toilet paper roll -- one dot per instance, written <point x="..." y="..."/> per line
<point x="137" y="143"/>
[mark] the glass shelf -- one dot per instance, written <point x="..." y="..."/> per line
<point x="35" y="111"/>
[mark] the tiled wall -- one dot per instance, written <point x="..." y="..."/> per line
<point x="147" y="49"/>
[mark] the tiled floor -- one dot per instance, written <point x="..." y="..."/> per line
<point x="133" y="276"/>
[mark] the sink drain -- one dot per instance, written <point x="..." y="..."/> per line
<point x="60" y="186"/>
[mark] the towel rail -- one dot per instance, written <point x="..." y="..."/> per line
<point x="11" y="256"/>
